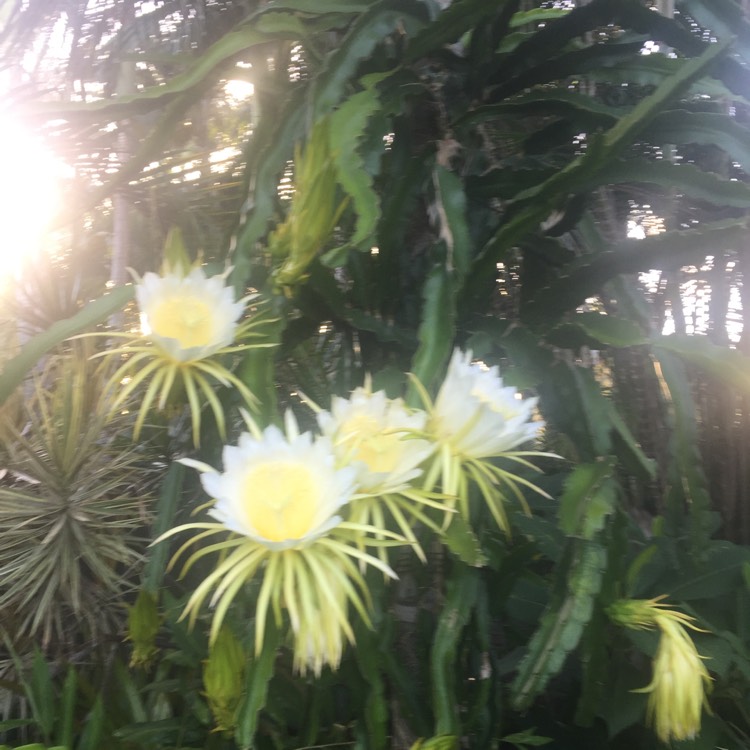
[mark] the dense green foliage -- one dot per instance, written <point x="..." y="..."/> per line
<point x="468" y="177"/>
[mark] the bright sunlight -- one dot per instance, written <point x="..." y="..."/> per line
<point x="29" y="195"/>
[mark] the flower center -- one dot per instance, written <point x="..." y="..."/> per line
<point x="281" y="500"/>
<point x="186" y="319"/>
<point x="369" y="442"/>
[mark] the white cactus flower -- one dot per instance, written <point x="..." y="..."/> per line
<point x="279" y="497"/>
<point x="478" y="417"/>
<point x="280" y="492"/>
<point x="376" y="435"/>
<point x="188" y="317"/>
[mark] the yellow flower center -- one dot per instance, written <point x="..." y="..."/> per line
<point x="281" y="500"/>
<point x="370" y="443"/>
<point x="184" y="318"/>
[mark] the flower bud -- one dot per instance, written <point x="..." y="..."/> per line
<point x="680" y="679"/>
<point x="224" y="678"/>
<point x="679" y="685"/>
<point x="143" y="625"/>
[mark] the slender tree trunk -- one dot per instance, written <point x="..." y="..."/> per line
<point x="121" y="239"/>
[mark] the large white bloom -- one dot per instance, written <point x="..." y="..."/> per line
<point x="476" y="416"/>
<point x="279" y="496"/>
<point x="280" y="492"/>
<point x="376" y="435"/>
<point x="189" y="317"/>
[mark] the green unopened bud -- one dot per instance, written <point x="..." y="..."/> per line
<point x="143" y="625"/>
<point x="176" y="259"/>
<point x="224" y="678"/>
<point x="646" y="614"/>
<point x="637" y="614"/>
<point x="314" y="211"/>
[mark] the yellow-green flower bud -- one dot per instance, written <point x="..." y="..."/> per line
<point x="680" y="679"/>
<point x="143" y="625"/>
<point x="314" y="211"/>
<point x="224" y="678"/>
<point x="679" y="685"/>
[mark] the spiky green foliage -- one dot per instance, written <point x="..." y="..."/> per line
<point x="74" y="506"/>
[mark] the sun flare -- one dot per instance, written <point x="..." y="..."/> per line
<point x="30" y="195"/>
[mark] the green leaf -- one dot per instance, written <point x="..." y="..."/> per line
<point x="406" y="687"/>
<point x="460" y="597"/>
<point x="555" y="102"/>
<point x="679" y="127"/>
<point x="651" y="70"/>
<point x="540" y="200"/>
<point x="44" y="703"/>
<point x="684" y="179"/>
<point x="718" y="574"/>
<point x="369" y="30"/>
<point x="16" y="369"/>
<point x="445" y="742"/>
<point x="376" y="712"/>
<point x="563" y="623"/>
<point x="347" y="129"/>
<point x="436" y="331"/>
<point x="536" y="16"/>
<point x="573" y="401"/>
<point x="651" y="106"/>
<point x="91" y="737"/>
<point x="536" y="58"/>
<point x="589" y="497"/>
<point x="267" y="154"/>
<point x="259" y="674"/>
<point x="610" y="330"/>
<point x="725" y="19"/>
<point x="7" y="724"/>
<point x="158" y="731"/>
<point x="204" y="67"/>
<point x="449" y="26"/>
<point x="527" y="738"/>
<point x="166" y="511"/>
<point x="728" y="366"/>
<point x="596" y="658"/>
<point x="454" y="230"/>
<point x="325" y="285"/>
<point x="131" y="695"/>
<point x="257" y="370"/>
<point x="67" y="708"/>
<point x="506" y="182"/>
<point x="688" y="487"/>
<point x="461" y="540"/>
<point x="586" y="276"/>
<point x="628" y="450"/>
